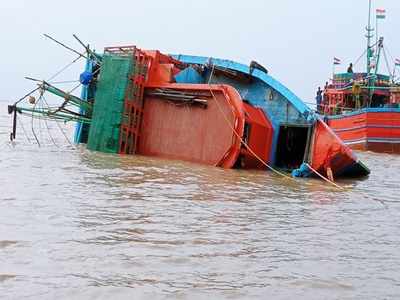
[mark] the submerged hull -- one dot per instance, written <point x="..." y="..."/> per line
<point x="373" y="129"/>
<point x="204" y="110"/>
<point x="211" y="111"/>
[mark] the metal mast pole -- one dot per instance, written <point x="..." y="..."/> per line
<point x="371" y="80"/>
<point x="376" y="33"/>
<point x="369" y="36"/>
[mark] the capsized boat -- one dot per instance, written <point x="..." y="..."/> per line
<point x="199" y="109"/>
<point x="363" y="108"/>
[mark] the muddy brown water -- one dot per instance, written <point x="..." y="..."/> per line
<point x="76" y="224"/>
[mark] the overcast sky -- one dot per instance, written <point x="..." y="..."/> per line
<point x="295" y="40"/>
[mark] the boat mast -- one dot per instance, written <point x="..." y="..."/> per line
<point x="369" y="37"/>
<point x="370" y="55"/>
<point x="379" y="47"/>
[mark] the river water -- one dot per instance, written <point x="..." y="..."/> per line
<point x="76" y="224"/>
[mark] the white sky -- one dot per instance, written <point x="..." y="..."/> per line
<point x="295" y="40"/>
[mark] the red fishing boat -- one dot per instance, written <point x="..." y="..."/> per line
<point x="198" y="109"/>
<point x="363" y="108"/>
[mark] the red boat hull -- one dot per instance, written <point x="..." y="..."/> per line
<point x="211" y="136"/>
<point x="192" y="133"/>
<point x="171" y="110"/>
<point x="329" y="151"/>
<point x="371" y="130"/>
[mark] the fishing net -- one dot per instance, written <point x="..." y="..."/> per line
<point x="109" y="103"/>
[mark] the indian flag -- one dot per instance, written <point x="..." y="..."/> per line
<point x="397" y="62"/>
<point x="380" y="13"/>
<point x="336" y="61"/>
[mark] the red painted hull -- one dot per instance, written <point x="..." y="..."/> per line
<point x="329" y="151"/>
<point x="228" y="132"/>
<point x="192" y="133"/>
<point x="211" y="136"/>
<point x="369" y="130"/>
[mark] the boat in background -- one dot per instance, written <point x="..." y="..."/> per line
<point x="198" y="109"/>
<point x="363" y="108"/>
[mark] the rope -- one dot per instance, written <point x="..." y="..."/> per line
<point x="324" y="178"/>
<point x="33" y="129"/>
<point x="77" y="86"/>
<point x="63" y="82"/>
<point x="28" y="94"/>
<point x="245" y="144"/>
<point x="23" y="129"/>
<point x="365" y="51"/>
<point x="388" y="68"/>
<point x="361" y="56"/>
<point x="59" y="127"/>
<point x="251" y="151"/>
<point x="48" y="129"/>
<point x="239" y="137"/>
<point x="390" y="55"/>
<point x="52" y="77"/>
<point x="393" y="62"/>
<point x="64" y="68"/>
<point x="39" y="122"/>
<point x="386" y="60"/>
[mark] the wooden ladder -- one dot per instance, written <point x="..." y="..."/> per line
<point x="133" y="105"/>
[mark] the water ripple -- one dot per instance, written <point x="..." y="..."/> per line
<point x="80" y="224"/>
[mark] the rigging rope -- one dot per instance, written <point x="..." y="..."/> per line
<point x="52" y="77"/>
<point x="361" y="56"/>
<point x="251" y="150"/>
<point x="365" y="51"/>
<point x="393" y="62"/>
<point x="77" y="86"/>
<point x="245" y="144"/>
<point x="48" y="129"/>
<point x="386" y="60"/>
<point x="285" y="176"/>
<point x="23" y="129"/>
<point x="324" y="178"/>
<point x="27" y="95"/>
<point x="59" y="127"/>
<point x="64" y="68"/>
<point x="33" y="129"/>
<point x="63" y="82"/>
<point x="388" y="67"/>
<point x="237" y="135"/>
